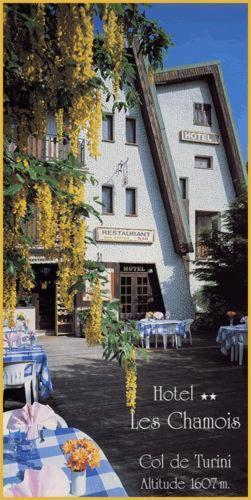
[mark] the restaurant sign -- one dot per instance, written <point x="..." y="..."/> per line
<point x="203" y="137"/>
<point x="120" y="235"/>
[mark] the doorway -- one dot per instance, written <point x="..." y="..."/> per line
<point x="135" y="291"/>
<point x="44" y="296"/>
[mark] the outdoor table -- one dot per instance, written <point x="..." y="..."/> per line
<point x="100" y="482"/>
<point x="160" y="327"/>
<point x="37" y="355"/>
<point x="233" y="337"/>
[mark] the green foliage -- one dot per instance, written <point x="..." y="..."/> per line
<point x="17" y="177"/>
<point x="224" y="273"/>
<point x="119" y="336"/>
<point x="18" y="46"/>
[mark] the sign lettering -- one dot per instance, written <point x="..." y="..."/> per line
<point x="203" y="137"/>
<point x="119" y="235"/>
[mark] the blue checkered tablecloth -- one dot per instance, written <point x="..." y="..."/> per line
<point x="228" y="336"/>
<point x="37" y="355"/>
<point x="101" y="482"/>
<point x="147" y="328"/>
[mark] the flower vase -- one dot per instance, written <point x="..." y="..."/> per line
<point x="78" y="483"/>
<point x="231" y="320"/>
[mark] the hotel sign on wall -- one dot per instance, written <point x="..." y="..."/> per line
<point x="120" y="235"/>
<point x="202" y="137"/>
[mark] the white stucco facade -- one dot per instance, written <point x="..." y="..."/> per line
<point x="122" y="166"/>
<point x="209" y="190"/>
<point x="150" y="213"/>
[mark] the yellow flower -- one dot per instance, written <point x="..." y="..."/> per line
<point x="26" y="164"/>
<point x="93" y="327"/>
<point x="131" y="381"/>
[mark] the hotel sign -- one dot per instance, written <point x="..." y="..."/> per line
<point x="120" y="235"/>
<point x="202" y="137"/>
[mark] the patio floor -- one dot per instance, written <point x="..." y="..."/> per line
<point x="89" y="395"/>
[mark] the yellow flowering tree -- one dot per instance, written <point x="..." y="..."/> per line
<point x="56" y="64"/>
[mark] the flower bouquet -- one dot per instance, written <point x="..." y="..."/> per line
<point x="158" y="315"/>
<point x="149" y="315"/>
<point x="231" y="315"/>
<point x="81" y="453"/>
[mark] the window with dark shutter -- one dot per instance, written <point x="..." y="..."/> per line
<point x="107" y="128"/>
<point x="202" y="114"/>
<point x="203" y="162"/>
<point x="130" y="131"/>
<point x="130" y="201"/>
<point x="107" y="200"/>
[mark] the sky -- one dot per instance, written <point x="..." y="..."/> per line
<point x="204" y="32"/>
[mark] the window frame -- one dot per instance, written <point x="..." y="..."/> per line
<point x="186" y="187"/>
<point x="132" y="118"/>
<point x="131" y="188"/>
<point x="109" y="186"/>
<point x="111" y="115"/>
<point x="196" y="122"/>
<point x="207" y="157"/>
<point x="204" y="213"/>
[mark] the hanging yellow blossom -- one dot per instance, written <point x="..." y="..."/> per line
<point x="114" y="43"/>
<point x="93" y="327"/>
<point x="59" y="116"/>
<point x="9" y="299"/>
<point x="131" y="381"/>
<point x="46" y="223"/>
<point x="19" y="205"/>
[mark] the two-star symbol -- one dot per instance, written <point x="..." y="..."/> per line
<point x="211" y="396"/>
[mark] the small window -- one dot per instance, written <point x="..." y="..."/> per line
<point x="206" y="222"/>
<point x="184" y="187"/>
<point x="107" y="200"/>
<point x="107" y="128"/>
<point x="202" y="114"/>
<point x="130" y="130"/>
<point x="203" y="162"/>
<point x="130" y="201"/>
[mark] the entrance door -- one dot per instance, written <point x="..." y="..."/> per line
<point x="44" y="296"/>
<point x="135" y="295"/>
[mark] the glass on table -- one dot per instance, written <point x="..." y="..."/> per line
<point x="26" y="448"/>
<point x="15" y="438"/>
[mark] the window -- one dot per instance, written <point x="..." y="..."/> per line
<point x="107" y="200"/>
<point x="202" y="114"/>
<point x="184" y="187"/>
<point x="206" y="222"/>
<point x="130" y="130"/>
<point x="130" y="201"/>
<point x="203" y="162"/>
<point x="107" y="128"/>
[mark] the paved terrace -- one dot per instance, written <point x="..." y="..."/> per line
<point x="89" y="394"/>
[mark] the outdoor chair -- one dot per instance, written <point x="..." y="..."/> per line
<point x="237" y="350"/>
<point x="61" y="423"/>
<point x="17" y="375"/>
<point x="188" y="323"/>
<point x="171" y="333"/>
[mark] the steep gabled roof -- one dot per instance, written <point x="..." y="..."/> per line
<point x="162" y="159"/>
<point x="211" y="72"/>
<point x="158" y="141"/>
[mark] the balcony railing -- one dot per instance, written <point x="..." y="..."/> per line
<point x="201" y="250"/>
<point x="49" y="148"/>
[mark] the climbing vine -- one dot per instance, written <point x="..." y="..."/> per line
<point x="56" y="65"/>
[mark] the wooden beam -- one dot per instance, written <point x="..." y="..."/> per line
<point x="164" y="174"/>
